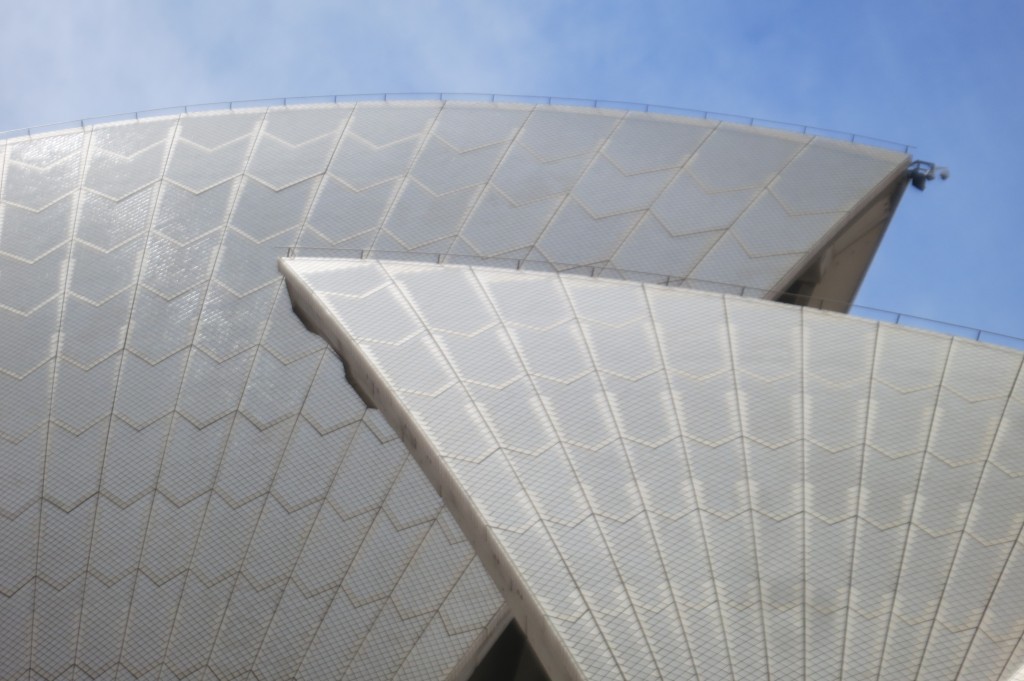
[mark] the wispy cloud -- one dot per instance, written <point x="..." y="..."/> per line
<point x="938" y="73"/>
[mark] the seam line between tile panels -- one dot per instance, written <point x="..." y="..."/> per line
<point x="389" y="599"/>
<point x="174" y="414"/>
<point x="586" y="496"/>
<point x="967" y="522"/>
<point x="579" y="483"/>
<point x="760" y="192"/>
<point x="487" y="184"/>
<point x="1017" y="543"/>
<point x="478" y="516"/>
<point x="234" y="415"/>
<point x="170" y="138"/>
<point x="803" y="487"/>
<point x="340" y="589"/>
<point x="482" y="290"/>
<point x="913" y="507"/>
<point x="872" y="379"/>
<point x="639" y="489"/>
<point x="356" y="427"/>
<point x="1009" y="658"/>
<point x="406" y="177"/>
<point x="315" y="196"/>
<point x="312" y="640"/>
<point x="746" y="469"/>
<point x="676" y="409"/>
<point x="72" y="229"/>
<point x="326" y="351"/>
<point x="255" y="528"/>
<point x="569" y="192"/>
<point x="661" y="192"/>
<point x="437" y="613"/>
<point x="329" y="350"/>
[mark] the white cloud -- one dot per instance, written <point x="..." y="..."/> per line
<point x="941" y="74"/>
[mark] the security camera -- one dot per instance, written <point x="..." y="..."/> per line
<point x="920" y="172"/>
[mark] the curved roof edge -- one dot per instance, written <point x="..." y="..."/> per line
<point x="687" y="197"/>
<point x="586" y="530"/>
<point x="466" y="97"/>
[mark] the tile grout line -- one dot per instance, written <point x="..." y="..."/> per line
<point x="157" y="193"/>
<point x="72" y="230"/>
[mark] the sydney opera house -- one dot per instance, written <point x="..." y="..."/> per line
<point x="484" y="390"/>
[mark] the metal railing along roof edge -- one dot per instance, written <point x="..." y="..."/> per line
<point x="82" y="123"/>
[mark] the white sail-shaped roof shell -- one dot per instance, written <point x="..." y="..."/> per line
<point x="680" y="485"/>
<point x="190" y="486"/>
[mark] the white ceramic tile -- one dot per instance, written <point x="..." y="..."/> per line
<point x="858" y="584"/>
<point x="228" y="427"/>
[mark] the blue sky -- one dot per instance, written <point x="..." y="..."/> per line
<point x="944" y="76"/>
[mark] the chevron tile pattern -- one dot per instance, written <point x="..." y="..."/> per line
<point x="691" y="485"/>
<point x="191" y="489"/>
